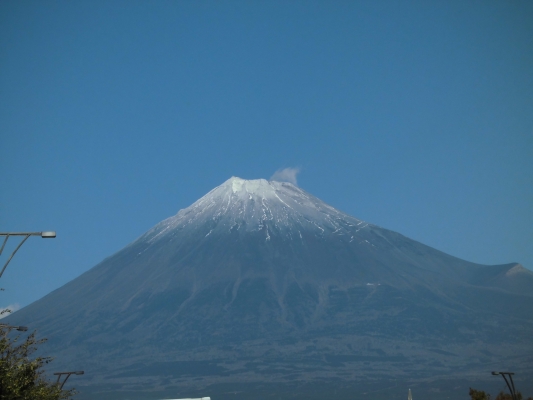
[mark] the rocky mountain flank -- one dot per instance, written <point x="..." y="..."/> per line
<point x="261" y="290"/>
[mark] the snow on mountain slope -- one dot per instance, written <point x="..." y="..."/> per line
<point x="260" y="205"/>
<point x="303" y="228"/>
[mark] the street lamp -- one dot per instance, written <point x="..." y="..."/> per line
<point x="11" y="327"/>
<point x="44" y="235"/>
<point x="510" y="386"/>
<point x="67" y="376"/>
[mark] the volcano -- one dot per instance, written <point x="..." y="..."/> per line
<point x="261" y="290"/>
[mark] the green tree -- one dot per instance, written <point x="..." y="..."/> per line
<point x="507" y="396"/>
<point x="22" y="378"/>
<point x="481" y="395"/>
<point x="478" y="395"/>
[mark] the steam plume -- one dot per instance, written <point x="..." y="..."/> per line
<point x="286" y="175"/>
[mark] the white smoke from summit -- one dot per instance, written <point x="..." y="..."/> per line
<point x="286" y="175"/>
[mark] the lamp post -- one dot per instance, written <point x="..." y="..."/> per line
<point x="11" y="327"/>
<point x="511" y="385"/>
<point x="67" y="376"/>
<point x="44" y="235"/>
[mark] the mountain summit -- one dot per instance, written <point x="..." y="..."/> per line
<point x="261" y="289"/>
<point x="257" y="205"/>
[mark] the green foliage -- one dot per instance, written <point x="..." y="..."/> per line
<point x="507" y="396"/>
<point x="481" y="395"/>
<point x="478" y="395"/>
<point x="21" y="377"/>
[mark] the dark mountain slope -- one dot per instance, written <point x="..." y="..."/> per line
<point x="260" y="283"/>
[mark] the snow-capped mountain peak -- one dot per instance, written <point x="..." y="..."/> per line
<point x="255" y="186"/>
<point x="258" y="204"/>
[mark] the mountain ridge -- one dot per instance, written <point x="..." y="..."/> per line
<point x="260" y="276"/>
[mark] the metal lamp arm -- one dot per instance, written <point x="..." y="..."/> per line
<point x="63" y="384"/>
<point x="12" y="254"/>
<point x="510" y="385"/>
<point x="4" y="244"/>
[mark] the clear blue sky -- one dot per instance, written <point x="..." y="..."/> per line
<point x="413" y="115"/>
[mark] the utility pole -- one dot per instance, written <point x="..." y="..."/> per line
<point x="44" y="235"/>
<point x="9" y="328"/>
<point x="509" y="385"/>
<point x="67" y="376"/>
